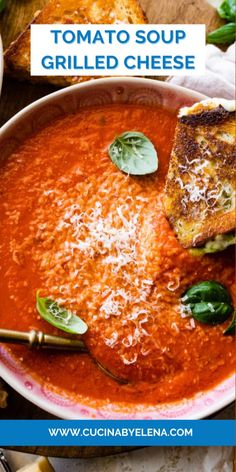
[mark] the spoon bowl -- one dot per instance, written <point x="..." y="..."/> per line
<point x="39" y="340"/>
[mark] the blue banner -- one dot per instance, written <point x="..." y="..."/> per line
<point x="117" y="433"/>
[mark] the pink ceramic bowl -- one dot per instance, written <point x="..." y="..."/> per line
<point x="71" y="99"/>
<point x="1" y="64"/>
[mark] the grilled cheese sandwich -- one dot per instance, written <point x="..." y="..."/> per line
<point x="200" y="187"/>
<point x="17" y="56"/>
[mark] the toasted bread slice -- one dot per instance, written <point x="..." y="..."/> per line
<point x="17" y="56"/>
<point x="200" y="187"/>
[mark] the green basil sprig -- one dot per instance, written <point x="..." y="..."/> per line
<point x="209" y="302"/>
<point x="227" y="10"/>
<point x="2" y="5"/>
<point x="133" y="153"/>
<point x="226" y="33"/>
<point x="59" y="317"/>
<point x="205" y="292"/>
<point x="211" y="312"/>
<point x="231" y="328"/>
<point x="223" y="35"/>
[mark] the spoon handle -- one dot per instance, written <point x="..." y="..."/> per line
<point x="5" y="466"/>
<point x="38" y="339"/>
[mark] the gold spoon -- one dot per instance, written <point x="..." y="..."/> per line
<point x="40" y="340"/>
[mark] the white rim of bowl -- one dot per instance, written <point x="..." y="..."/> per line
<point x="46" y="405"/>
<point x="1" y="64"/>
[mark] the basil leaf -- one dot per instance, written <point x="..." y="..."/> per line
<point x="223" y="35"/>
<point x="211" y="312"/>
<point x="207" y="291"/>
<point x="59" y="317"/>
<point x="231" y="328"/>
<point x="133" y="153"/>
<point x="2" y="5"/>
<point x="227" y="10"/>
<point x="209" y="302"/>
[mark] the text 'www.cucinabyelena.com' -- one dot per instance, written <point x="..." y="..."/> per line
<point x="120" y="432"/>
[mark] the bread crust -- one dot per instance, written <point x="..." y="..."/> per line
<point x="200" y="187"/>
<point x="17" y="56"/>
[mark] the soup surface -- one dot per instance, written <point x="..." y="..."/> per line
<point x="97" y="241"/>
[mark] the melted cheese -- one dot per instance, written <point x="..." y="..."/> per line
<point x="209" y="104"/>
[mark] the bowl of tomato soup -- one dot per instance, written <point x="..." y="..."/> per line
<point x="96" y="240"/>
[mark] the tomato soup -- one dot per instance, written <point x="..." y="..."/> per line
<point x="97" y="241"/>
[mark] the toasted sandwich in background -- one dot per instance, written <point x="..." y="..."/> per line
<point x="17" y="56"/>
<point x="200" y="188"/>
